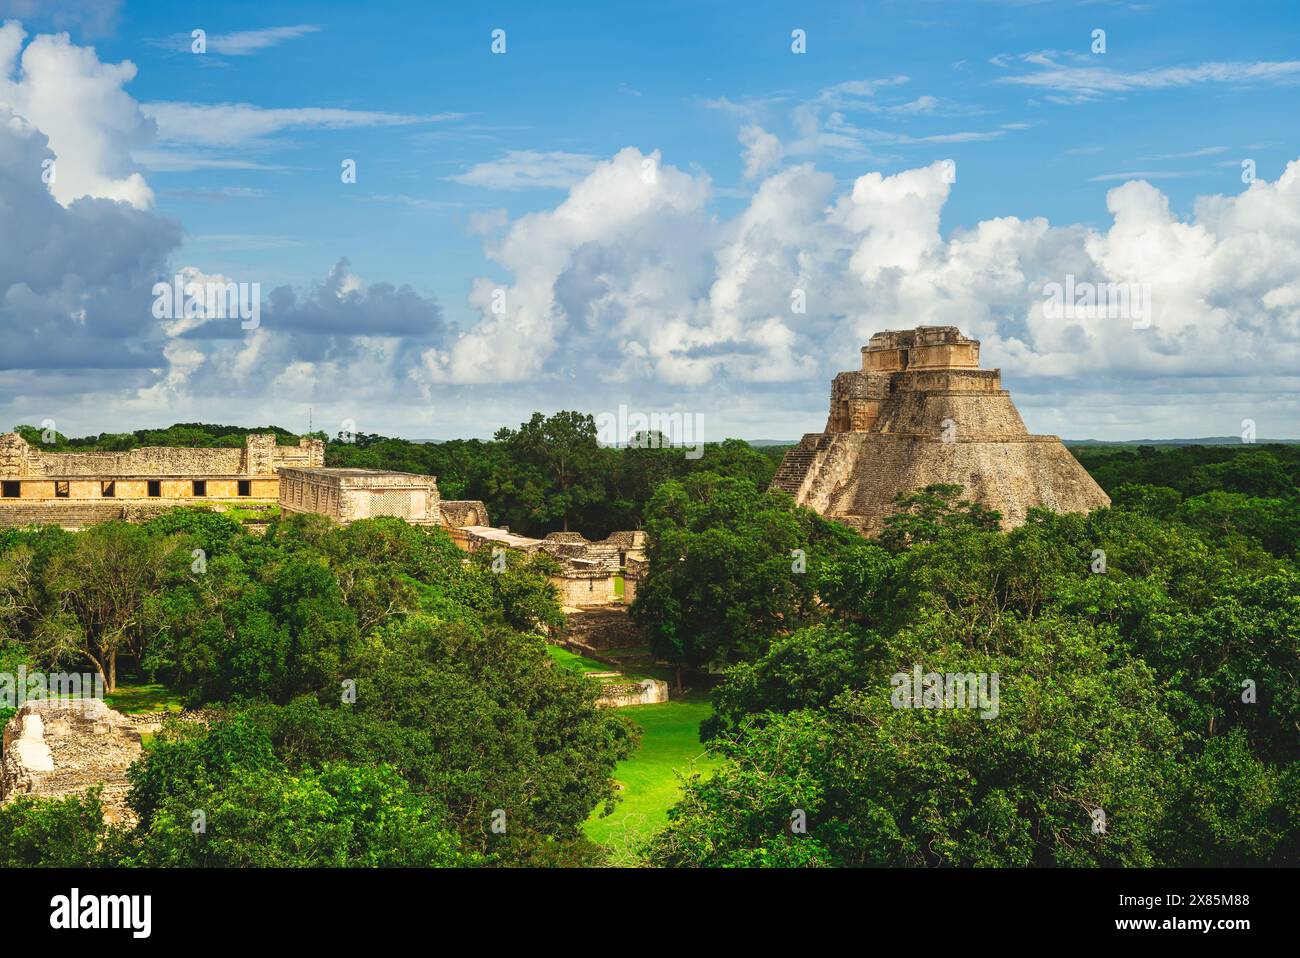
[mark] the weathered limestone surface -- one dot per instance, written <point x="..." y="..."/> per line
<point x="78" y="489"/>
<point x="59" y="747"/>
<point x="921" y="412"/>
<point x="463" y="512"/>
<point x="590" y="569"/>
<point x="645" y="692"/>
<point x="598" y="628"/>
<point x="346" y="495"/>
<point x="259" y="457"/>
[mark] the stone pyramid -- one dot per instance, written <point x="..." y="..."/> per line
<point x="920" y="411"/>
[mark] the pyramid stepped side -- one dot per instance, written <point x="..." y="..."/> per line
<point x="1009" y="476"/>
<point x="793" y="471"/>
<point x="984" y="414"/>
<point x="921" y="412"/>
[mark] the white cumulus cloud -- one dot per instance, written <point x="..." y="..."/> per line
<point x="79" y="103"/>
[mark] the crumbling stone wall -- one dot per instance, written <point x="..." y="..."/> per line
<point x="593" y="629"/>
<point x="590" y="569"/>
<point x="457" y="513"/>
<point x="645" y="692"/>
<point x="59" y="747"/>
<point x="260" y="456"/>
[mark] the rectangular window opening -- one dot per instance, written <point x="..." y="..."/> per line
<point x="60" y="490"/>
<point x="108" y="489"/>
<point x="245" y="487"/>
<point x="200" y="487"/>
<point x="11" y="490"/>
<point x="155" y="489"/>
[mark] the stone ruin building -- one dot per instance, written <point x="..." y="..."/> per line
<point x="596" y="581"/>
<point x="346" y="495"/>
<point x="59" y="747"/>
<point x="920" y="411"/>
<point x="76" y="489"/>
<point x="594" y="572"/>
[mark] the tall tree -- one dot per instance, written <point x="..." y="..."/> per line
<point x="563" y="450"/>
<point x="728" y="569"/>
<point x="100" y="588"/>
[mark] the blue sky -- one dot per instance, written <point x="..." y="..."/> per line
<point x="456" y="146"/>
<point x="600" y="77"/>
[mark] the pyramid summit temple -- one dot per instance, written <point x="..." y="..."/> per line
<point x="920" y="411"/>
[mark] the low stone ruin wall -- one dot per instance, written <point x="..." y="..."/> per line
<point x="59" y="747"/>
<point x="596" y="628"/>
<point x="645" y="692"/>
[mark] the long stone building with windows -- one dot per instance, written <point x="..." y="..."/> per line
<point x="79" y="489"/>
<point x="75" y="489"/>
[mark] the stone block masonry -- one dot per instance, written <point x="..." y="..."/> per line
<point x="590" y="570"/>
<point x="920" y="412"/>
<point x="346" y="495"/>
<point x="59" y="747"/>
<point x="75" y="489"/>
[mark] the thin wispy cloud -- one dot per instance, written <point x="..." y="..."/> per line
<point x="91" y="19"/>
<point x="218" y="194"/>
<point x="235" y="124"/>
<point x="183" y="161"/>
<point x="839" y="92"/>
<point x="823" y="123"/>
<point x="1079" y="84"/>
<point x="241" y="43"/>
<point x="1145" y="175"/>
<point x="836" y="124"/>
<point x="528" y="169"/>
<point x="243" y="241"/>
<point x="418" y="203"/>
<point x="1190" y="154"/>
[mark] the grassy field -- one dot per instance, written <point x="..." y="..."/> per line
<point x="670" y="743"/>
<point x="259" y="514"/>
<point x="138" y="697"/>
<point x="572" y="662"/>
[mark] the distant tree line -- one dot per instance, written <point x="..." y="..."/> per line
<point x="550" y="474"/>
<point x="553" y="474"/>
<point x="189" y="434"/>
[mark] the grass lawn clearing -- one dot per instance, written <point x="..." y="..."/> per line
<point x="670" y="743"/>
<point x="140" y="698"/>
<point x="573" y="662"/>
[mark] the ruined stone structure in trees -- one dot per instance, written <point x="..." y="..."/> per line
<point x="59" y="747"/>
<point x="592" y="573"/>
<point x="918" y="412"/>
